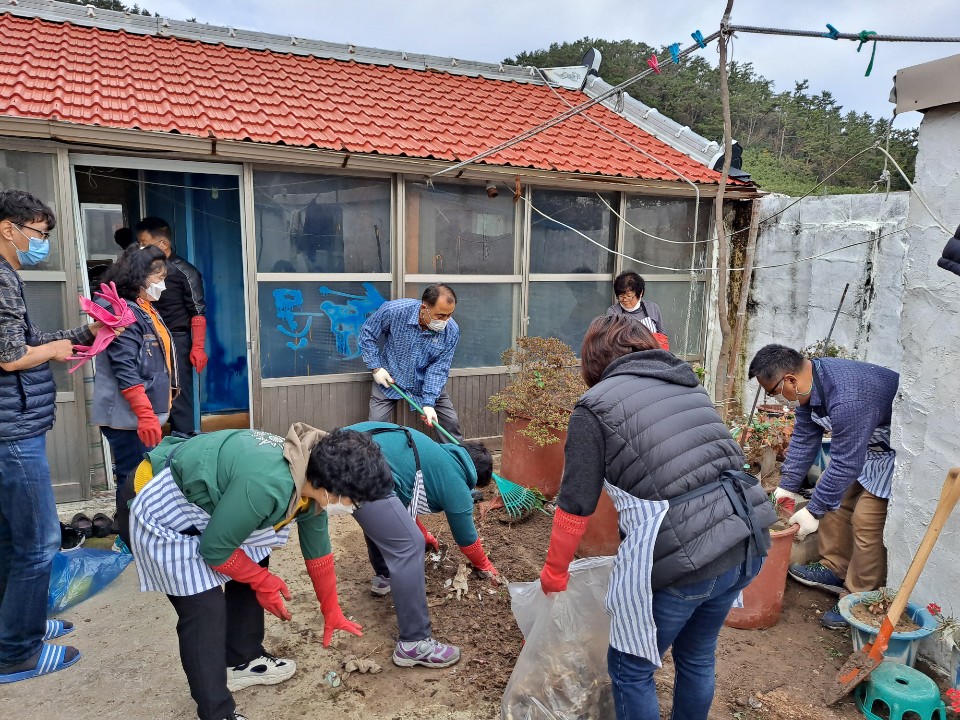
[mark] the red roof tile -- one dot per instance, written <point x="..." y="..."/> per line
<point x="116" y="79"/>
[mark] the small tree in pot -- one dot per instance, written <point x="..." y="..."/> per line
<point x="538" y="401"/>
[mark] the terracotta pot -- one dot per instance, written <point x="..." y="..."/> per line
<point x="763" y="598"/>
<point x="603" y="533"/>
<point x="531" y="465"/>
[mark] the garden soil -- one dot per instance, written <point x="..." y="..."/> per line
<point x="130" y="666"/>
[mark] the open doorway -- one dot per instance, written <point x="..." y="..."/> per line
<point x="201" y="204"/>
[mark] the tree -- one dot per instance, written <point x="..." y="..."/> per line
<point x="115" y="5"/>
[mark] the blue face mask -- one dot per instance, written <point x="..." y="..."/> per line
<point x="36" y="252"/>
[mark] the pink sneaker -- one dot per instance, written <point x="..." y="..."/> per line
<point x="428" y="653"/>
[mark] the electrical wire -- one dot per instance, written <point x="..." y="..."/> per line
<point x="915" y="192"/>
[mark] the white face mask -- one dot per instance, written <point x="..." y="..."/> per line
<point x="437" y="325"/>
<point x="338" y="508"/>
<point x="781" y="400"/>
<point x="631" y="310"/>
<point x="155" y="290"/>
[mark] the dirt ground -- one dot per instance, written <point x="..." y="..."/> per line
<point x="131" y="669"/>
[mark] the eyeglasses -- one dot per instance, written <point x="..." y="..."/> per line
<point x="42" y="233"/>
<point x="773" y="391"/>
<point x="626" y="297"/>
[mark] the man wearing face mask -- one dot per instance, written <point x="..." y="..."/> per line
<point x="411" y="343"/>
<point x="182" y="307"/>
<point x="854" y="402"/>
<point x="628" y="289"/>
<point x="29" y="529"/>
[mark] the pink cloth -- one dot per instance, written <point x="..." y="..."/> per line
<point x="120" y="317"/>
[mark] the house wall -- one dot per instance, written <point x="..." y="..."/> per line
<point x="794" y="304"/>
<point x="926" y="414"/>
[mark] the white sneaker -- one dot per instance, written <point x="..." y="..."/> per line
<point x="264" y="670"/>
<point x="380" y="585"/>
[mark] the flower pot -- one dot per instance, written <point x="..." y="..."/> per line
<point x="955" y="669"/>
<point x="602" y="536"/>
<point x="763" y="598"/>
<point x="531" y="465"/>
<point x="903" y="646"/>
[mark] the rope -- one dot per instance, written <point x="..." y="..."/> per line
<point x="857" y="37"/>
<point x="914" y="191"/>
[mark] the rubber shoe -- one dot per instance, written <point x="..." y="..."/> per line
<point x="380" y="585"/>
<point x="833" y="620"/>
<point x="232" y="716"/>
<point x="264" y="670"/>
<point x="428" y="653"/>
<point x="816" y="575"/>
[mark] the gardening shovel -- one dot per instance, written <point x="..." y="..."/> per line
<point x="861" y="663"/>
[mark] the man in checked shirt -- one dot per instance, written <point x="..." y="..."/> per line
<point x="410" y="343"/>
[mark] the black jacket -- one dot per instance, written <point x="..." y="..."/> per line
<point x="663" y="438"/>
<point x="183" y="297"/>
<point x="951" y="254"/>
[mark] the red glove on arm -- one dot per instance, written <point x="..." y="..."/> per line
<point x="148" y="426"/>
<point x="475" y="554"/>
<point x="325" y="584"/>
<point x="564" y="539"/>
<point x="428" y="537"/>
<point x="198" y="334"/>
<point x="265" y="584"/>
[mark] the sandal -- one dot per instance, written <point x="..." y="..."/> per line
<point x="57" y="628"/>
<point x="102" y="525"/>
<point x="70" y="537"/>
<point x="52" y="658"/>
<point x="82" y="524"/>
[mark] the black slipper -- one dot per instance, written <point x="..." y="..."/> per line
<point x="70" y="537"/>
<point x="82" y="524"/>
<point x="102" y="525"/>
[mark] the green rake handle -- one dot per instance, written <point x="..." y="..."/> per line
<point x="413" y="404"/>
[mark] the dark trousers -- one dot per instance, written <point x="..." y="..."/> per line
<point x="128" y="452"/>
<point x="181" y="414"/>
<point x="217" y="629"/>
<point x="381" y="410"/>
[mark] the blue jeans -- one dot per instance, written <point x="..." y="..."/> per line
<point x="29" y="539"/>
<point x="689" y="619"/>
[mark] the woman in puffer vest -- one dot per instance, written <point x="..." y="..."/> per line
<point x="693" y="525"/>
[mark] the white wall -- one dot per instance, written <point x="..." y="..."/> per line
<point x="926" y="414"/>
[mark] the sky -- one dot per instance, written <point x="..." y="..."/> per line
<point x="493" y="30"/>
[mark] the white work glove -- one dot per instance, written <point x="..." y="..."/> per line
<point x="786" y="499"/>
<point x="382" y="377"/>
<point x="807" y="522"/>
<point x="429" y="415"/>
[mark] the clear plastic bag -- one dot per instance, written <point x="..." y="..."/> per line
<point x="561" y="673"/>
<point x="80" y="573"/>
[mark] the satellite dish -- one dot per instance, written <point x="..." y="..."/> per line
<point x="591" y="61"/>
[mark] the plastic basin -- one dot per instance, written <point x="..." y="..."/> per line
<point x="903" y="646"/>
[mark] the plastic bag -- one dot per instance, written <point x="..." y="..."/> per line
<point x="81" y="573"/>
<point x="561" y="673"/>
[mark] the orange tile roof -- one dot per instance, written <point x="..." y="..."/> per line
<point x="93" y="76"/>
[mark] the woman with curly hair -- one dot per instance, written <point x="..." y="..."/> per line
<point x="137" y="372"/>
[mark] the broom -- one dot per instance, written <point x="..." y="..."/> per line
<point x="517" y="499"/>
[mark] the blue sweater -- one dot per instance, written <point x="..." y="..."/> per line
<point x="858" y="398"/>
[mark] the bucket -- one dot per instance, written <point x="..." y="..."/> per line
<point x="903" y="646"/>
<point x="532" y="465"/>
<point x="763" y="598"/>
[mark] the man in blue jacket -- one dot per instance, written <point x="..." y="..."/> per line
<point x="853" y="401"/>
<point x="29" y="528"/>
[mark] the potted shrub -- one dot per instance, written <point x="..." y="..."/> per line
<point x="537" y="401"/>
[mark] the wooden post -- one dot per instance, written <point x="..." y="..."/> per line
<point x="741" y="321"/>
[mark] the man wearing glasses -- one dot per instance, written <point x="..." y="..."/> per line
<point x="29" y="528"/>
<point x="853" y="401"/>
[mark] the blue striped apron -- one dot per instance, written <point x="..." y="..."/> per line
<point x="877" y="474"/>
<point x="168" y="560"/>
<point x="629" y="601"/>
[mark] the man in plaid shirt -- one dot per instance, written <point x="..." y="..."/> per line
<point x="29" y="527"/>
<point x="410" y="343"/>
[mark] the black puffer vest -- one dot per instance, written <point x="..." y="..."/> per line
<point x="663" y="439"/>
<point x="27" y="397"/>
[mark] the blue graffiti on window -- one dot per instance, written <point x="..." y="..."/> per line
<point x="345" y="318"/>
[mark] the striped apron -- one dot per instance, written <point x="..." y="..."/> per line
<point x="629" y="601"/>
<point x="877" y="474"/>
<point x="168" y="559"/>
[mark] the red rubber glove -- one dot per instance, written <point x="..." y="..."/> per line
<point x="148" y="426"/>
<point x="324" y="578"/>
<point x="478" y="558"/>
<point x="428" y="537"/>
<point x="198" y="334"/>
<point x="265" y="584"/>
<point x="663" y="340"/>
<point x="564" y="539"/>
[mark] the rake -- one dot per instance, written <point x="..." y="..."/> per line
<point x="517" y="500"/>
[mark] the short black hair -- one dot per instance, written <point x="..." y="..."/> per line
<point x="349" y="463"/>
<point x="773" y="361"/>
<point x="131" y="269"/>
<point x="436" y="291"/>
<point x="482" y="461"/>
<point x="123" y="237"/>
<point x="22" y="208"/>
<point x="629" y="281"/>
<point x="154" y="226"/>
